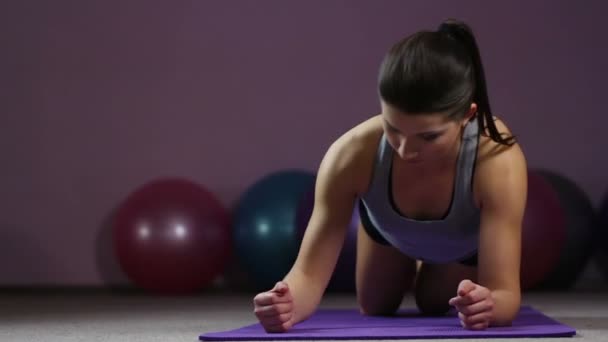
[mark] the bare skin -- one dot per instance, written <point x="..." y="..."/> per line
<point x="426" y="149"/>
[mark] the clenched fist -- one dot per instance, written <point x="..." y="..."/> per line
<point x="274" y="308"/>
<point x="474" y="304"/>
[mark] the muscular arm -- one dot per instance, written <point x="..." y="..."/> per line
<point x="502" y="180"/>
<point x="335" y="194"/>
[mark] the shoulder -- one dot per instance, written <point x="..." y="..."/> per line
<point x="351" y="157"/>
<point x="501" y="169"/>
<point x="492" y="153"/>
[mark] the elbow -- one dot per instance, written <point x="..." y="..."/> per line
<point x="506" y="310"/>
<point x="504" y="321"/>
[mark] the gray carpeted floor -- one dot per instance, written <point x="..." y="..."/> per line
<point x="95" y="316"/>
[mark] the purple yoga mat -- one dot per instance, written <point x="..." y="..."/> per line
<point x="349" y="324"/>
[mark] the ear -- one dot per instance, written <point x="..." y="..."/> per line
<point x="470" y="113"/>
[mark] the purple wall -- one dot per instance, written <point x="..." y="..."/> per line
<point x="98" y="97"/>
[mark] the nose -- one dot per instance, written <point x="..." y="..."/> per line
<point x="406" y="151"/>
<point x="410" y="155"/>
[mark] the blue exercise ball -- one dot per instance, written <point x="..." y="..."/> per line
<point x="265" y="233"/>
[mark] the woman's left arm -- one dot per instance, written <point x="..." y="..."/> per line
<point x="502" y="181"/>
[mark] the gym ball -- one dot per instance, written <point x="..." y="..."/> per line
<point x="600" y="247"/>
<point x="172" y="236"/>
<point x="580" y="232"/>
<point x="543" y="231"/>
<point x="266" y="241"/>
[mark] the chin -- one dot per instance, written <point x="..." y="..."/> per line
<point x="414" y="160"/>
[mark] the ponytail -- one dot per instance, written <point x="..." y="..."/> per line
<point x="460" y="32"/>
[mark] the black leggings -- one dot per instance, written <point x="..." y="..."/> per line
<point x="373" y="233"/>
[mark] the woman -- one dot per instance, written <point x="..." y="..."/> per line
<point x="441" y="188"/>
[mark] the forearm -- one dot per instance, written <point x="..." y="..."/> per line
<point x="306" y="293"/>
<point x="506" y="306"/>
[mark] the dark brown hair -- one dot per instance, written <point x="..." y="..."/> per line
<point x="439" y="71"/>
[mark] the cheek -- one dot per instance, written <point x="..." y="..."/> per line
<point x="438" y="147"/>
<point x="393" y="140"/>
<point x="443" y="145"/>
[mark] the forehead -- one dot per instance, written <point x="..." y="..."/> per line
<point x="415" y="122"/>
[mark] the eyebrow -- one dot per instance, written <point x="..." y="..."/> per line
<point x="441" y="130"/>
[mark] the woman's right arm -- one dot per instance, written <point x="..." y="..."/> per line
<point x="335" y="195"/>
<point x="296" y="297"/>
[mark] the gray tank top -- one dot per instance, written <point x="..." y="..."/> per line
<point x="454" y="237"/>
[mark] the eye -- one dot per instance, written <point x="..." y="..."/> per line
<point x="431" y="136"/>
<point x="392" y="129"/>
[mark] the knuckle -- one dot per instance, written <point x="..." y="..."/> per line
<point x="482" y="326"/>
<point x="270" y="329"/>
<point x="275" y="329"/>
<point x="286" y="325"/>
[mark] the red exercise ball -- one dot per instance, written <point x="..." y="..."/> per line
<point x="543" y="231"/>
<point x="172" y="236"/>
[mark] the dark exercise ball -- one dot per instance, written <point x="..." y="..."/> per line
<point x="172" y="236"/>
<point x="265" y="234"/>
<point x="343" y="276"/>
<point x="543" y="231"/>
<point x="601" y="242"/>
<point x="580" y="232"/>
